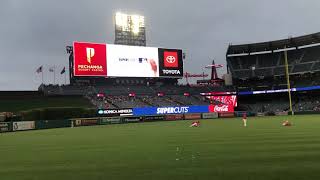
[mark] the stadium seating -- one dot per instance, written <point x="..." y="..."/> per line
<point x="263" y="72"/>
<point x="294" y="56"/>
<point x="311" y="54"/>
<point x="279" y="102"/>
<point x="280" y="70"/>
<point x="242" y="74"/>
<point x="235" y="62"/>
<point x="189" y="100"/>
<point x="266" y="60"/>
<point x="124" y="101"/>
<point x="306" y="67"/>
<point x="117" y="96"/>
<point x="248" y="61"/>
<point x="316" y="66"/>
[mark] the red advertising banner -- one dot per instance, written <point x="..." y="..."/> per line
<point x="221" y="108"/>
<point x="171" y="59"/>
<point x="226" y="114"/>
<point x="192" y="116"/>
<point x="228" y="100"/>
<point x="173" y="117"/>
<point x="89" y="122"/>
<point x="90" y="59"/>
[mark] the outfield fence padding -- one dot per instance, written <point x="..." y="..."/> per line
<point x="133" y="119"/>
<point x="110" y="120"/>
<point x="281" y="113"/>
<point x="89" y="122"/>
<point x="50" y="124"/>
<point x="153" y="118"/>
<point x="260" y="114"/>
<point x="23" y="125"/>
<point x="5" y="127"/>
<point x="210" y="115"/>
<point x="192" y="116"/>
<point x="174" y="117"/>
<point x="226" y="114"/>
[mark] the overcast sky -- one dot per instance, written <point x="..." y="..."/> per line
<point x="35" y="32"/>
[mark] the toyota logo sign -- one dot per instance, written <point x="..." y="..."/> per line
<point x="171" y="59"/>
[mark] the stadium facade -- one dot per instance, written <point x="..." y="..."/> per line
<point x="262" y="65"/>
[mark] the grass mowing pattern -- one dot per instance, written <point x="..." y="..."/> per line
<point x="219" y="149"/>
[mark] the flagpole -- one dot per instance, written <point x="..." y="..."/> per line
<point x="65" y="78"/>
<point x="54" y="74"/>
<point x="41" y="76"/>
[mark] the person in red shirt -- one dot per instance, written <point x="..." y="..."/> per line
<point x="244" y="119"/>
<point x="195" y="124"/>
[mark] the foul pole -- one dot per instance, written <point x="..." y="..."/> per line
<point x="288" y="78"/>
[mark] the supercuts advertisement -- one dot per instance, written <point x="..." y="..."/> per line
<point x="182" y="110"/>
<point x="110" y="60"/>
<point x="170" y="110"/>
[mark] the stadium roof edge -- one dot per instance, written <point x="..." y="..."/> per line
<point x="274" y="45"/>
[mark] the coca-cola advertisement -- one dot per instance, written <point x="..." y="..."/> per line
<point x="221" y="108"/>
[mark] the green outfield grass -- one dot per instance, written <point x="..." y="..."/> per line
<point x="219" y="149"/>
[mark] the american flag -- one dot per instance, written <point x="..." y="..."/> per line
<point x="51" y="69"/>
<point x="39" y="70"/>
<point x="63" y="70"/>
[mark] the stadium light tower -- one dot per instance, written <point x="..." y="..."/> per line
<point x="130" y="29"/>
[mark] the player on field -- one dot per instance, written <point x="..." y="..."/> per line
<point x="244" y="119"/>
<point x="286" y="123"/>
<point x="195" y="124"/>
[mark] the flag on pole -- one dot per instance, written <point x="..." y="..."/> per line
<point x="39" y="70"/>
<point x="63" y="70"/>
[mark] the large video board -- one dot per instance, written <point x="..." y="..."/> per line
<point x="109" y="60"/>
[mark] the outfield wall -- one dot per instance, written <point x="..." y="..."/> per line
<point x="109" y="120"/>
<point x="5" y="127"/>
<point x="78" y="122"/>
